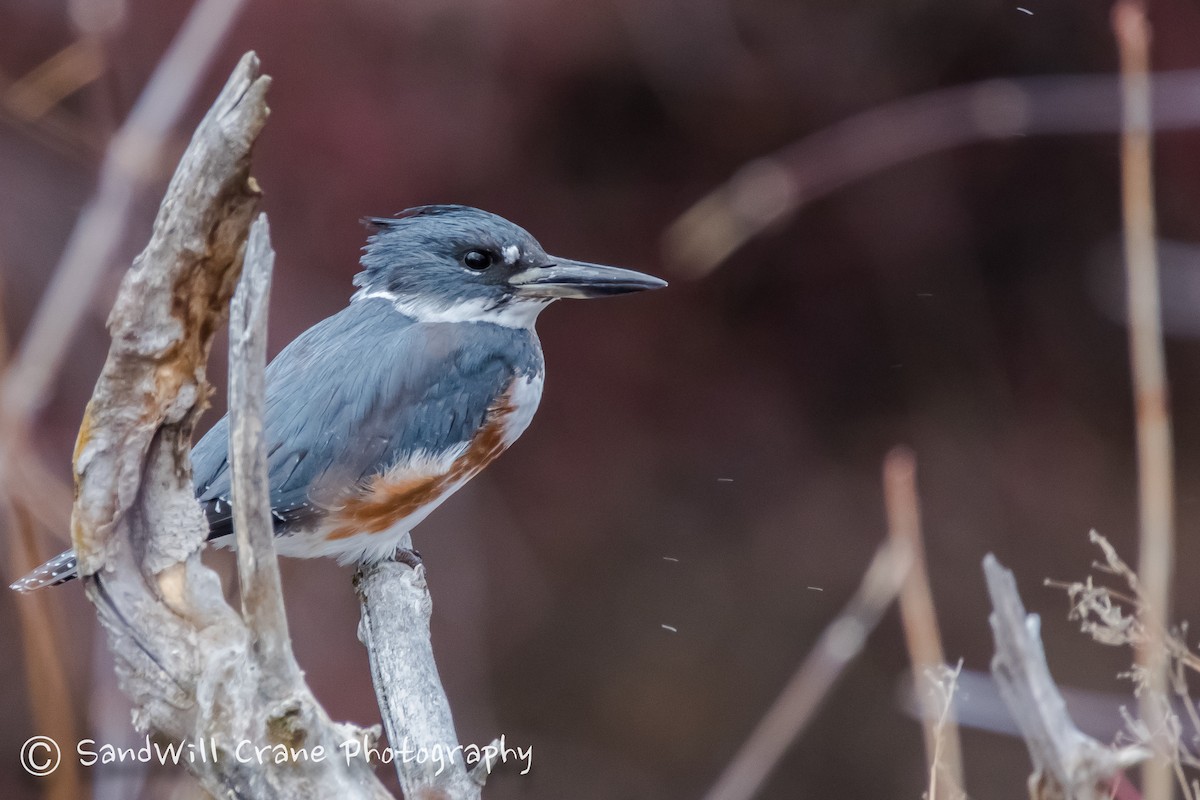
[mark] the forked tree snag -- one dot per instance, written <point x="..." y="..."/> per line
<point x="193" y="667"/>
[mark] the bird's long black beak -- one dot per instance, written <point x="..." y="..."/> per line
<point x="562" y="277"/>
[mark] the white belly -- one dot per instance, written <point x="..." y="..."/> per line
<point x="526" y="396"/>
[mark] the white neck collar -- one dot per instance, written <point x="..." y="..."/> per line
<point x="514" y="314"/>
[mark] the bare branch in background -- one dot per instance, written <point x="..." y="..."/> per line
<point x="1067" y="762"/>
<point x="771" y="189"/>
<point x="840" y="643"/>
<point x="1148" y="365"/>
<point x="943" y="750"/>
<point x="36" y="93"/>
<point x="396" y="609"/>
<point x="131" y="161"/>
<point x="188" y="661"/>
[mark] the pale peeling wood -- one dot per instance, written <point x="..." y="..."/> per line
<point x="186" y="659"/>
<point x="396" y="607"/>
<point x="1067" y="762"/>
<point x="258" y="569"/>
<point x="153" y="383"/>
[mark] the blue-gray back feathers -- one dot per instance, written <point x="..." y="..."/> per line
<point x="359" y="392"/>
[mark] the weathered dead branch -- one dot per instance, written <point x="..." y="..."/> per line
<point x="194" y="669"/>
<point x="1068" y="764"/>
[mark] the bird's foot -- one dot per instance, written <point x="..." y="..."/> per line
<point x="408" y="556"/>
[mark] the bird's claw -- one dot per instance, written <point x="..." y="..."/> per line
<point x="410" y="557"/>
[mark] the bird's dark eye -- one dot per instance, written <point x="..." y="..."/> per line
<point x="478" y="259"/>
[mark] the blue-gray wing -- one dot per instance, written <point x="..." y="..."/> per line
<point x="359" y="392"/>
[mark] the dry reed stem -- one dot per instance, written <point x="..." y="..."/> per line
<point x="1154" y="448"/>
<point x="943" y="749"/>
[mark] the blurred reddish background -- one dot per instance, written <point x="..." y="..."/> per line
<point x="955" y="303"/>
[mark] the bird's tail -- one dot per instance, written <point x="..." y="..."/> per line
<point x="60" y="569"/>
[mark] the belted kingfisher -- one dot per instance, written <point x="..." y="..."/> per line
<point x="377" y="414"/>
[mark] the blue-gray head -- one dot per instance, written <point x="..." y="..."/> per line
<point x="456" y="263"/>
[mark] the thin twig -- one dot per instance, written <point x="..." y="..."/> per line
<point x="944" y="731"/>
<point x="34" y="94"/>
<point x="130" y="162"/>
<point x="943" y="751"/>
<point x="57" y="129"/>
<point x="1154" y="449"/>
<point x="767" y="191"/>
<point x="839" y="644"/>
